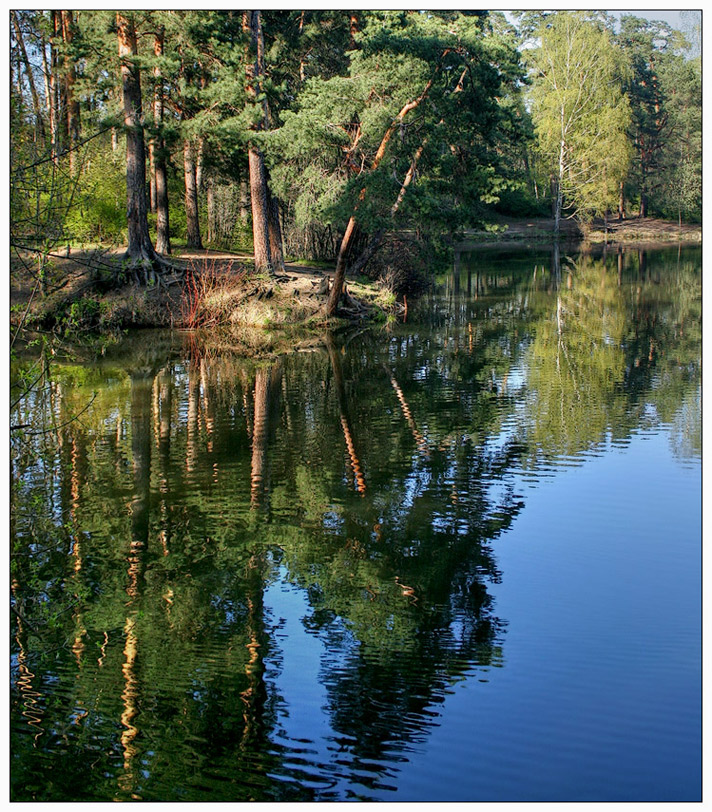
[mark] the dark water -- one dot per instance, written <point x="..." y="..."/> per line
<point x="452" y="559"/>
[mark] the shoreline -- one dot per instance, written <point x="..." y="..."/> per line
<point x="219" y="289"/>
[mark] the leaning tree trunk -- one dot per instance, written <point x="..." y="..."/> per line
<point x="49" y="68"/>
<point x="340" y="272"/>
<point x="140" y="253"/>
<point x="30" y="78"/>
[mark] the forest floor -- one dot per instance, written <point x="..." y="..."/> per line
<point x="207" y="289"/>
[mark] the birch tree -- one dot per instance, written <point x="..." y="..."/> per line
<point x="580" y="113"/>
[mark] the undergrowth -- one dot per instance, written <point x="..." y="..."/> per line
<point x="210" y="293"/>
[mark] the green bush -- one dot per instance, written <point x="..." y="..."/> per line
<point x="518" y="202"/>
<point x="99" y="214"/>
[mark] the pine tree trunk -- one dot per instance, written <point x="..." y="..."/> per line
<point x="199" y="164"/>
<point x="72" y="104"/>
<point x="265" y="229"/>
<point x="191" y="197"/>
<point x="140" y="250"/>
<point x="54" y="97"/>
<point x="275" y="233"/>
<point x="258" y="194"/>
<point x="61" y="88"/>
<point x="30" y="78"/>
<point x="210" y="205"/>
<point x="163" y="239"/>
<point x="152" y="174"/>
<point x="49" y="94"/>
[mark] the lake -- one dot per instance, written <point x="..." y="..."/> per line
<point x="452" y="559"/>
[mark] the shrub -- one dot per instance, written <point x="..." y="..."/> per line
<point x="100" y="213"/>
<point x="210" y="293"/>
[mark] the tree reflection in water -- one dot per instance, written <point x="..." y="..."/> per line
<point x="374" y="475"/>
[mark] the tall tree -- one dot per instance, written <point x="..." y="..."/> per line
<point x="20" y="40"/>
<point x="647" y="45"/>
<point x="420" y="103"/>
<point x="140" y="253"/>
<point x="580" y="112"/>
<point x="266" y="231"/>
<point x="680" y="191"/>
<point x="163" y="239"/>
<point x="71" y="102"/>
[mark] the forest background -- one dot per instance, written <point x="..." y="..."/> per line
<point x="364" y="141"/>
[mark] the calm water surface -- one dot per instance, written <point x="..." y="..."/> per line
<point x="456" y="559"/>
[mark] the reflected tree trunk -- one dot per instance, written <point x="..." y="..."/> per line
<point x="359" y="479"/>
<point x="193" y="412"/>
<point x="254" y="696"/>
<point x="556" y="264"/>
<point x="165" y="401"/>
<point x="141" y="432"/>
<point x="420" y="441"/>
<point x="266" y="399"/>
<point x="32" y="707"/>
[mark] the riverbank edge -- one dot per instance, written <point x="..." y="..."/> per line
<point x="226" y="293"/>
<point x="634" y="231"/>
<point x="210" y="290"/>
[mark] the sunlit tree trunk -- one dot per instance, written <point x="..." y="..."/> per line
<point x="163" y="238"/>
<point x="265" y="228"/>
<point x="140" y="250"/>
<point x="72" y="103"/>
<point x="50" y="81"/>
<point x="30" y="78"/>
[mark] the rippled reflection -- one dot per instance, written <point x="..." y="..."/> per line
<point x="211" y="524"/>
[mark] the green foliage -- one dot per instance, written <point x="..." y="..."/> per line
<point x="681" y="162"/>
<point x="99" y="210"/>
<point x="580" y="111"/>
<point x="334" y="83"/>
<point x="457" y="75"/>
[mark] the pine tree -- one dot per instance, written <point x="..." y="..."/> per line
<point x="140" y="253"/>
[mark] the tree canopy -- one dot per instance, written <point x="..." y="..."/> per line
<point x="313" y="133"/>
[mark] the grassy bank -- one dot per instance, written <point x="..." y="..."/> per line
<point x="207" y="290"/>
